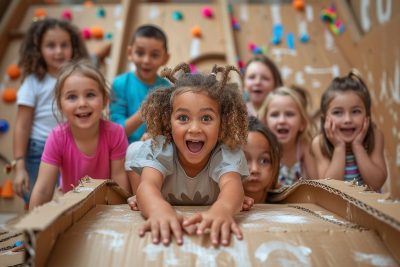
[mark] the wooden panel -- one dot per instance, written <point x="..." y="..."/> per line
<point x="182" y="46"/>
<point x="309" y="65"/>
<point x="16" y="22"/>
<point x="377" y="55"/>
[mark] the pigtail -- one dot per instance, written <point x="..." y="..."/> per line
<point x="170" y="73"/>
<point x="225" y="74"/>
<point x="355" y="75"/>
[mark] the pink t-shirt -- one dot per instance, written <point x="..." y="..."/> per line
<point x="61" y="150"/>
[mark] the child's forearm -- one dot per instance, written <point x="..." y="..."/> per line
<point x="133" y="122"/>
<point x="150" y="200"/>
<point x="336" y="166"/>
<point x="371" y="173"/>
<point x="39" y="197"/>
<point x="230" y="199"/>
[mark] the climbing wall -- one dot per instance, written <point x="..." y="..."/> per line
<point x="14" y="23"/>
<point x="306" y="49"/>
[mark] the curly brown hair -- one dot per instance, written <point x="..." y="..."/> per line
<point x="157" y="109"/>
<point x="31" y="59"/>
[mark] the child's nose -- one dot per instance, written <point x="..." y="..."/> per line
<point x="347" y="117"/>
<point x="82" y="101"/>
<point x="281" y="118"/>
<point x="253" y="167"/>
<point x="194" y="127"/>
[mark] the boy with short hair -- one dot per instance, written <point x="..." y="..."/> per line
<point x="148" y="51"/>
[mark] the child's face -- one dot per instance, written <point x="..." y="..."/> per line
<point x="56" y="49"/>
<point x="258" y="156"/>
<point x="195" y="122"/>
<point x="284" y="119"/>
<point x="81" y="102"/>
<point x="347" y="112"/>
<point x="148" y="55"/>
<point x="258" y="81"/>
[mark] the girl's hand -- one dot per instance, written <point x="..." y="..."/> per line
<point x="358" y="140"/>
<point x="248" y="203"/>
<point x="161" y="223"/>
<point x="132" y="202"/>
<point x="220" y="223"/>
<point x="332" y="133"/>
<point x="21" y="182"/>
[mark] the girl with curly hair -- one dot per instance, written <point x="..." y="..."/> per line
<point x="194" y="157"/>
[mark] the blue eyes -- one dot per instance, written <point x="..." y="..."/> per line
<point x="73" y="97"/>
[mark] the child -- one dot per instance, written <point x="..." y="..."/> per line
<point x="261" y="76"/>
<point x="194" y="156"/>
<point x="47" y="45"/>
<point x="284" y="113"/>
<point x="263" y="156"/>
<point x="148" y="51"/>
<point x="85" y="144"/>
<point x="350" y="147"/>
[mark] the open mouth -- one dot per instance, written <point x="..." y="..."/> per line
<point x="348" y="131"/>
<point x="84" y="115"/>
<point x="283" y="131"/>
<point x="256" y="91"/>
<point x="194" y="146"/>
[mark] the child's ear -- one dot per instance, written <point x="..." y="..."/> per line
<point x="166" y="59"/>
<point x="129" y="52"/>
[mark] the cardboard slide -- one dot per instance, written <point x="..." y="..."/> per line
<point x="315" y="223"/>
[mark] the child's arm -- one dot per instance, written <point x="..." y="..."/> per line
<point x="22" y="131"/>
<point x="331" y="168"/>
<point x="162" y="219"/>
<point x="44" y="186"/>
<point x="133" y="122"/>
<point x="372" y="167"/>
<point x="219" y="218"/>
<point x="310" y="166"/>
<point x="134" y="180"/>
<point x="119" y="112"/>
<point x="119" y="175"/>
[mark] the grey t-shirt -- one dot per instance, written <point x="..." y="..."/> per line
<point x="178" y="188"/>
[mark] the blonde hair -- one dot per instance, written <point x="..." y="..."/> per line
<point x="300" y="102"/>
<point x="86" y="69"/>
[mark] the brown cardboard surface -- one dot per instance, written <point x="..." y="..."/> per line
<point x="273" y="234"/>
<point x="94" y="227"/>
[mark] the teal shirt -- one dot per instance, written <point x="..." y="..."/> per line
<point x="128" y="95"/>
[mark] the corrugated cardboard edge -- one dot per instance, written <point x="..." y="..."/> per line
<point x="354" y="203"/>
<point x="44" y="224"/>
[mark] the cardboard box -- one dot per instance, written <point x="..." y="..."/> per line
<point x="316" y="223"/>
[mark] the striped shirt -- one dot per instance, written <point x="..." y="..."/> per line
<point x="351" y="171"/>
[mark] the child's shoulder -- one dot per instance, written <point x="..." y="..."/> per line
<point x="123" y="78"/>
<point x="316" y="144"/>
<point x="111" y="126"/>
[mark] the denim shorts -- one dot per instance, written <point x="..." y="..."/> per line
<point x="32" y="162"/>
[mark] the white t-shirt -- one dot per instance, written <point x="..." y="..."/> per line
<point x="39" y="95"/>
<point x="178" y="188"/>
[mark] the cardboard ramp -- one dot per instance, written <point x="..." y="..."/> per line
<point x="316" y="223"/>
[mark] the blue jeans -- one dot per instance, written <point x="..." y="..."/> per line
<point x="32" y="162"/>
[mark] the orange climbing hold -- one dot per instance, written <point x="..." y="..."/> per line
<point x="13" y="71"/>
<point x="196" y="31"/>
<point x="9" y="95"/>
<point x="97" y="32"/>
<point x="7" y="190"/>
<point x="40" y="12"/>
